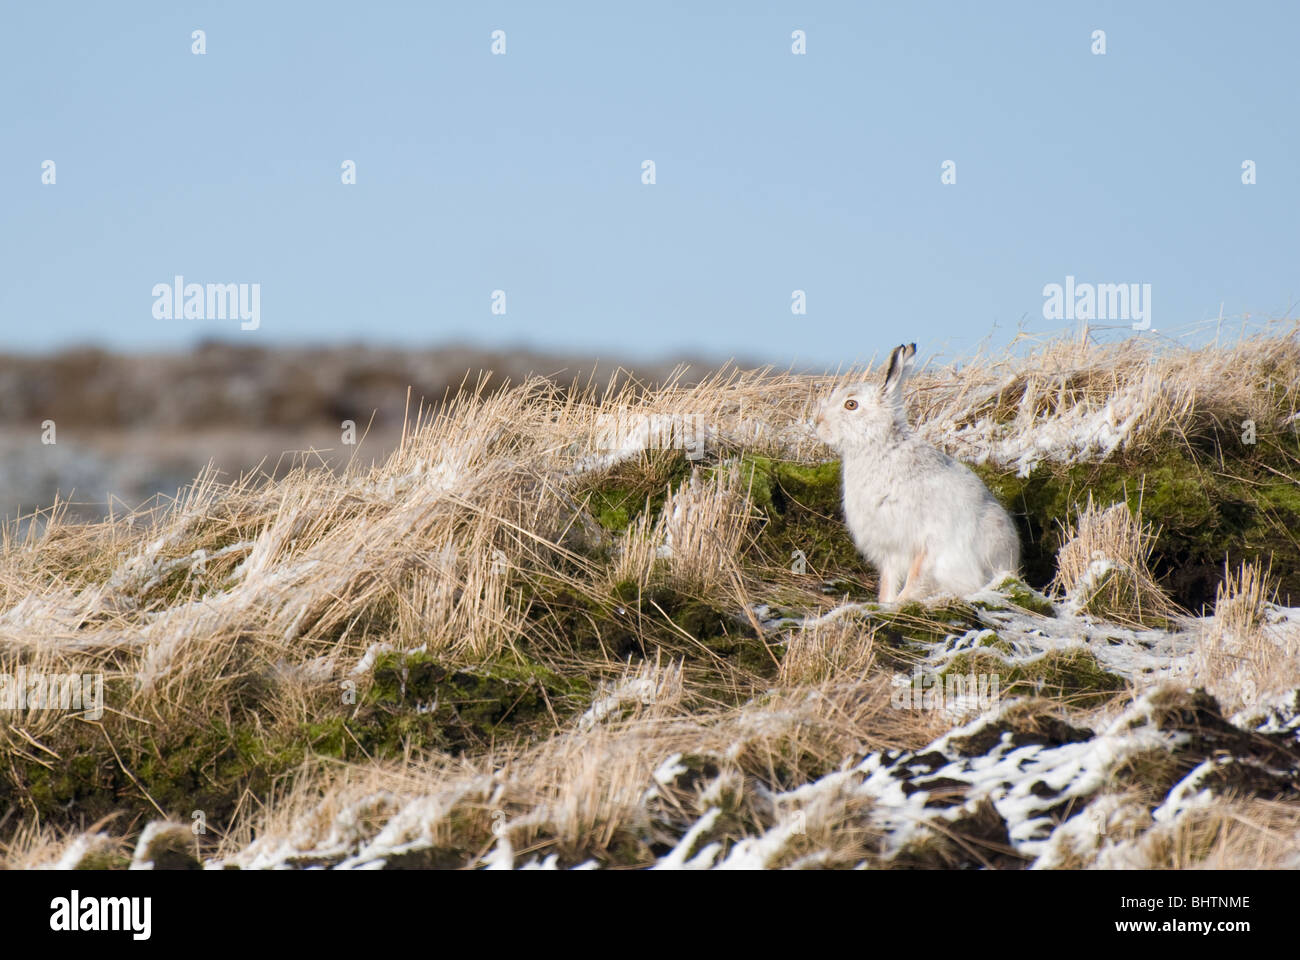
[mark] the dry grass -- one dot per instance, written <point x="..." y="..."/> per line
<point x="248" y="606"/>
<point x="1243" y="656"/>
<point x="827" y="648"/>
<point x="1087" y="401"/>
<point x="1104" y="566"/>
<point x="704" y="525"/>
<point x="33" y="846"/>
<point x="1241" y="834"/>
<point x="582" y="793"/>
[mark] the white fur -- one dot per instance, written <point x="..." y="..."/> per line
<point x="909" y="505"/>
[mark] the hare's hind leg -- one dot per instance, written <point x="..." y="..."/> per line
<point x="915" y="581"/>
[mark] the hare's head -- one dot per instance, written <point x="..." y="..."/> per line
<point x="869" y="412"/>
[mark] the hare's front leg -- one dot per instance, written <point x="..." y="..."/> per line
<point x="912" y="588"/>
<point x="887" y="590"/>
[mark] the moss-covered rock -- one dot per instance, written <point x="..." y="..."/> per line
<point x="1073" y="675"/>
<point x="167" y="846"/>
<point x="1025" y="597"/>
<point x="414" y="703"/>
<point x="638" y="623"/>
<point x="1206" y="510"/>
<point x="207" y="766"/>
<point x="802" y="511"/>
<point x="619" y="495"/>
<point x="418" y="700"/>
<point x="919" y="626"/>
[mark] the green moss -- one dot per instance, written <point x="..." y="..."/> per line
<point x="431" y="858"/>
<point x="1074" y="675"/>
<point x="328" y="737"/>
<point x="716" y="629"/>
<point x="801" y="509"/>
<point x="625" y="848"/>
<point x="702" y="620"/>
<point x="173" y="849"/>
<point x="208" y="767"/>
<point x="1205" y="510"/>
<point x="1025" y="597"/>
<point x="588" y="625"/>
<point x="926" y="624"/>
<point x="989" y="640"/>
<point x="847" y="589"/>
<point x="614" y="507"/>
<point x="417" y="699"/>
<point x="413" y="703"/>
<point x="103" y="859"/>
<point x="635" y="623"/>
<point x="618" y="496"/>
<point x="205" y="767"/>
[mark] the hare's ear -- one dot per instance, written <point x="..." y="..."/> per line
<point x="900" y="361"/>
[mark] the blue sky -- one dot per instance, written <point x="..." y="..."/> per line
<point x="522" y="172"/>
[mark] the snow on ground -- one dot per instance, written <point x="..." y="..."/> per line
<point x="648" y="685"/>
<point x="1087" y="431"/>
<point x="1046" y="786"/>
<point x="1040" y="791"/>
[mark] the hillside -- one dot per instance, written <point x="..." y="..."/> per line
<point x="624" y="627"/>
<point x="130" y="425"/>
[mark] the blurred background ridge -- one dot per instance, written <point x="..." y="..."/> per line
<point x="134" y="425"/>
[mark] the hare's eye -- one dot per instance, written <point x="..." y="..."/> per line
<point x="850" y="404"/>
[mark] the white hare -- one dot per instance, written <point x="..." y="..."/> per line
<point x="926" y="522"/>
